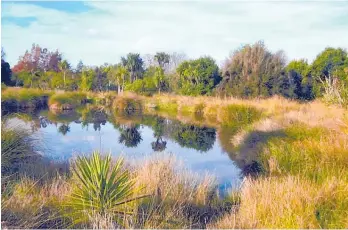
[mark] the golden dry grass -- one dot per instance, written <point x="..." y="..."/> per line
<point x="163" y="174"/>
<point x="303" y="148"/>
<point x="289" y="202"/>
<point x="174" y="190"/>
<point x="279" y="110"/>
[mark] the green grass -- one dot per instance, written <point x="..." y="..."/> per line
<point x="314" y="153"/>
<point x="68" y="99"/>
<point x="170" y="107"/>
<point x="304" y="184"/>
<point x="238" y="115"/>
<point x="20" y="97"/>
<point x="23" y="95"/>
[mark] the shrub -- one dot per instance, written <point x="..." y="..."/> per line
<point x="144" y="86"/>
<point x="101" y="189"/>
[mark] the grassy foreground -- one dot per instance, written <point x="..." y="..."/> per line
<point x="98" y="192"/>
<point x="301" y="149"/>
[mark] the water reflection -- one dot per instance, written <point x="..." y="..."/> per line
<point x="63" y="129"/>
<point x="158" y="130"/>
<point x="190" y="136"/>
<point x="199" y="138"/>
<point x="130" y="136"/>
<point x="133" y="133"/>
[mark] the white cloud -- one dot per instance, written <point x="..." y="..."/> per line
<point x="112" y="29"/>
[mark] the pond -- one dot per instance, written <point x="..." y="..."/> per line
<point x="202" y="149"/>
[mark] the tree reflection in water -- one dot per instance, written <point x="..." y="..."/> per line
<point x="159" y="145"/>
<point x="199" y="138"/>
<point x="130" y="136"/>
<point x="158" y="129"/>
<point x="44" y="122"/>
<point x="64" y="129"/>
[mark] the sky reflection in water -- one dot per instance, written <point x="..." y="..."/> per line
<point x="199" y="148"/>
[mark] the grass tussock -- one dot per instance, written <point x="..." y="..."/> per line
<point x="29" y="204"/>
<point x="161" y="174"/>
<point x="315" y="153"/>
<point x="289" y="202"/>
<point x="105" y="98"/>
<point x="17" y="147"/>
<point x="238" y="115"/>
<point x="304" y="182"/>
<point x="67" y="100"/>
<point x="127" y="105"/>
<point x="108" y="196"/>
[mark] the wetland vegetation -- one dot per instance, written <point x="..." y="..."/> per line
<point x="254" y="144"/>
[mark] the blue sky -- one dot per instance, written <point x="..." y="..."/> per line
<point x="98" y="32"/>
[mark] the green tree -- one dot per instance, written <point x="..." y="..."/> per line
<point x="64" y="66"/>
<point x="134" y="65"/>
<point x="6" y="71"/>
<point x="159" y="79"/>
<point x="87" y="79"/>
<point x="329" y="64"/>
<point x="300" y="79"/>
<point x="144" y="86"/>
<point x="252" y="71"/>
<point x="100" y="80"/>
<point x="118" y="75"/>
<point x="198" y="77"/>
<point x="162" y="59"/>
<point x="56" y="79"/>
<point x="79" y="67"/>
<point x="28" y="79"/>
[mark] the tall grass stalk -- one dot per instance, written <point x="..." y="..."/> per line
<point x="16" y="146"/>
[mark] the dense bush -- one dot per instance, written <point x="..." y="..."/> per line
<point x="251" y="71"/>
<point x="198" y="77"/>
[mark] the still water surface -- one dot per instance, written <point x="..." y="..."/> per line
<point x="199" y="147"/>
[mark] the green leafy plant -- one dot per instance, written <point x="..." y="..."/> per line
<point x="102" y="189"/>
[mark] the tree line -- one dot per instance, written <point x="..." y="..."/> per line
<point x="250" y="71"/>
